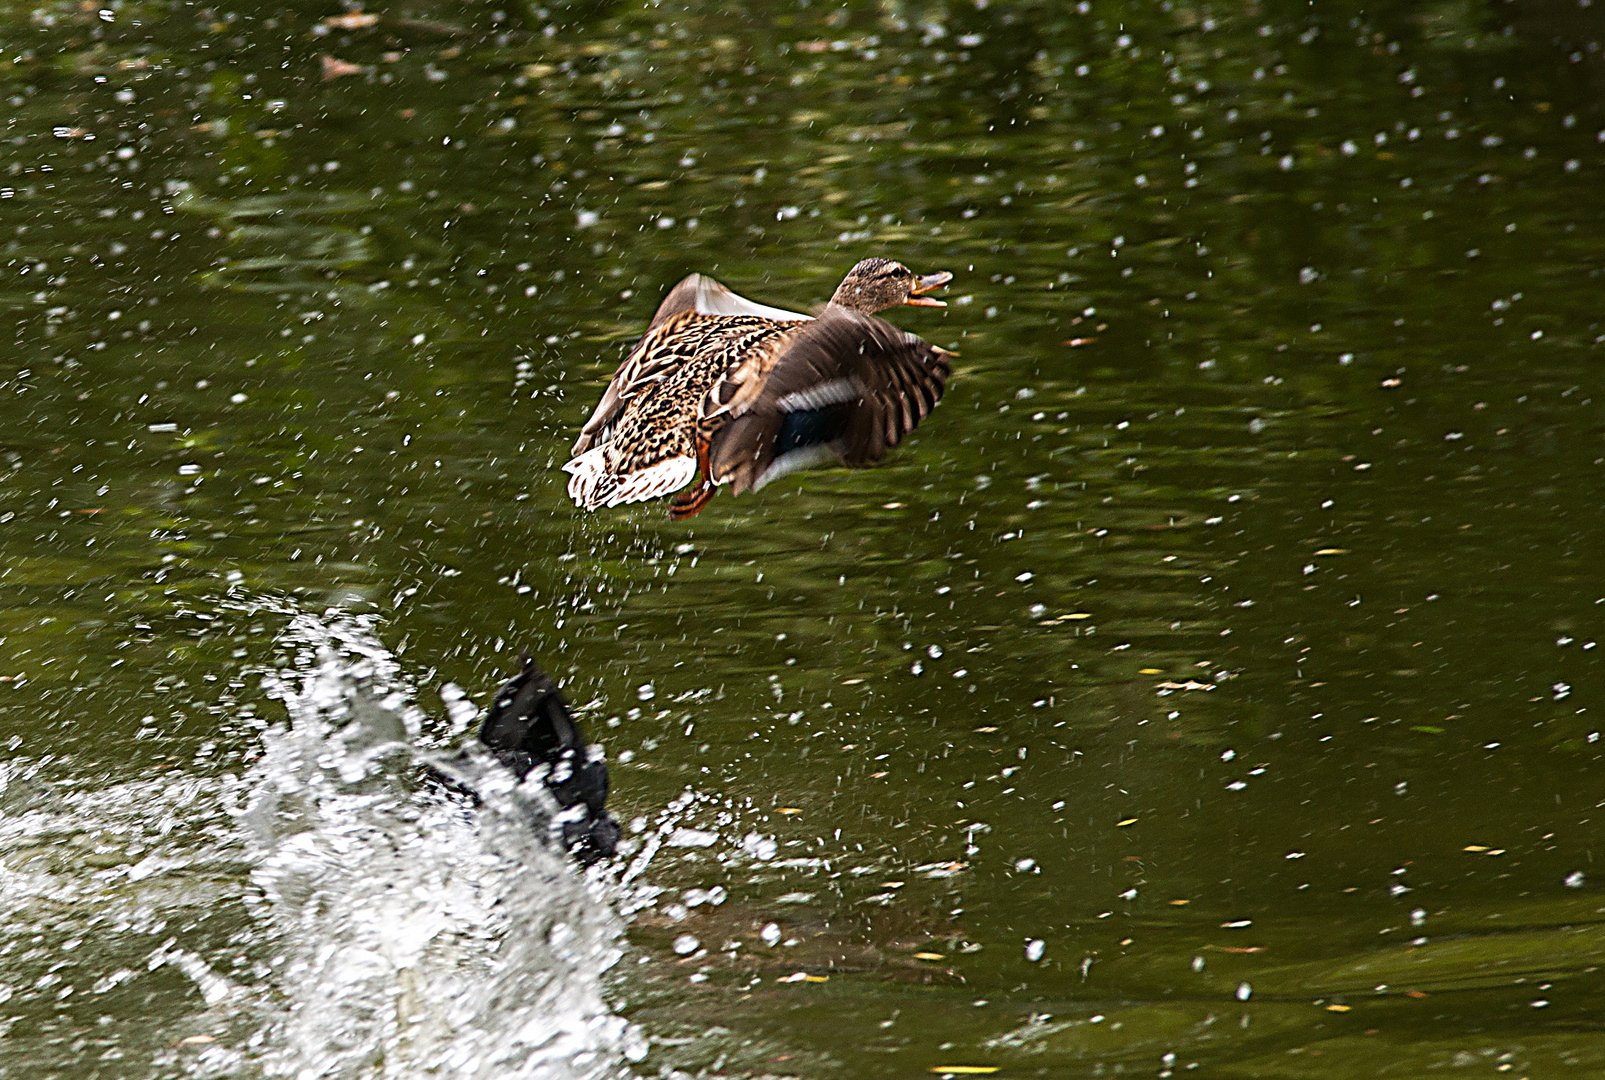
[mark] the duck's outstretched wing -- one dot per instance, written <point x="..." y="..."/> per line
<point x="654" y="356"/>
<point x="529" y="725"/>
<point x="705" y="296"/>
<point x="847" y="385"/>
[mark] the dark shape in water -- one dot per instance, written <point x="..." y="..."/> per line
<point x="529" y="726"/>
<point x="722" y="389"/>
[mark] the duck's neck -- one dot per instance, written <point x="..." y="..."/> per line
<point x="844" y="298"/>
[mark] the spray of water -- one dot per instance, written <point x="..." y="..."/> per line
<point x="410" y="937"/>
<point x="324" y="914"/>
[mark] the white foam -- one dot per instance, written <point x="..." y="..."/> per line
<point x="419" y="939"/>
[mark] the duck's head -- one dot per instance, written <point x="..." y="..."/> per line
<point x="877" y="284"/>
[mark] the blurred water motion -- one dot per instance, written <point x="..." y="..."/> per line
<point x="1212" y="684"/>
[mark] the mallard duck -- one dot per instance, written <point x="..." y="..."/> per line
<point x="725" y="390"/>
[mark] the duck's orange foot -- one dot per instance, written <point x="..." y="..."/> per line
<point x="689" y="503"/>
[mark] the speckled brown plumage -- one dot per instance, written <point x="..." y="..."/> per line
<point x="687" y="355"/>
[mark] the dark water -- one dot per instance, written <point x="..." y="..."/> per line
<point x="1229" y="630"/>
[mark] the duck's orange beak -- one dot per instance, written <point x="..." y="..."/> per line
<point x="924" y="284"/>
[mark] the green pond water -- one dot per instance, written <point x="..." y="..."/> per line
<point x="1206" y="688"/>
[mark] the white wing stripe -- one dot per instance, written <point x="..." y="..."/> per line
<point x="817" y="397"/>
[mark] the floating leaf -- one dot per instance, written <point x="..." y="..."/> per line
<point x="1238" y="925"/>
<point x="930" y="956"/>
<point x="1150" y="671"/>
<point x="1338" y="1008"/>
<point x="352" y="20"/>
<point x="1333" y="551"/>
<point x="334" y="67"/>
<point x="790" y="810"/>
<point x="1123" y="824"/>
<point x="966" y="1070"/>
<point x="1474" y="847"/>
<point x="1179" y="903"/>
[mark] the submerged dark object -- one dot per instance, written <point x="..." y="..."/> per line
<point x="529" y="726"/>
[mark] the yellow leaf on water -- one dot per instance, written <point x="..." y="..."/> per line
<point x="1338" y="1008"/>
<point x="1150" y="671"/>
<point x="1473" y="847"/>
<point x="790" y="810"/>
<point x="1179" y="903"/>
<point x="1123" y="824"/>
<point x="354" y="20"/>
<point x="986" y="730"/>
<point x="965" y="1070"/>
<point x="1077" y="615"/>
<point x="930" y="956"/>
<point x="1333" y="551"/>
<point x="816" y="978"/>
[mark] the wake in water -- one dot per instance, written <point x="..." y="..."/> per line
<point x="409" y="936"/>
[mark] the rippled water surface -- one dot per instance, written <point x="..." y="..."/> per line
<point x="1207" y="686"/>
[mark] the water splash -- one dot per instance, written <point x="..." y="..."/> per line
<point x="410" y="937"/>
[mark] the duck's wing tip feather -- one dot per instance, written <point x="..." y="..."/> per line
<point x="713" y="298"/>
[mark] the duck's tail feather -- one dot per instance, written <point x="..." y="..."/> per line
<point x="592" y="483"/>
